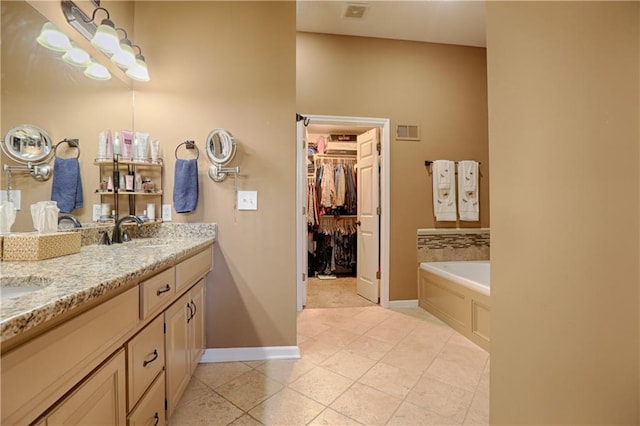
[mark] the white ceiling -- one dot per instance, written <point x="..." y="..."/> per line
<point x="444" y="21"/>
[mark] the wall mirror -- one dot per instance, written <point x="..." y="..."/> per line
<point x="39" y="88"/>
<point x="221" y="147"/>
<point x="27" y="143"/>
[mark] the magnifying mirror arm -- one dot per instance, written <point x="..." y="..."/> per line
<point x="40" y="171"/>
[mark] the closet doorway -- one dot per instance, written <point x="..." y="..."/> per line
<point x="344" y="142"/>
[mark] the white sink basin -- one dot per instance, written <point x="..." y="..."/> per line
<point x="12" y="287"/>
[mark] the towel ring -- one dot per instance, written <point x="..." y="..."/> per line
<point x="73" y="143"/>
<point x="190" y="145"/>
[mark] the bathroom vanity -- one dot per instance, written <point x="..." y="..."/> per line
<point x="112" y="337"/>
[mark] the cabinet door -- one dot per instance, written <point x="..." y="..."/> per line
<point x="98" y="401"/>
<point x="177" y="351"/>
<point x="196" y="325"/>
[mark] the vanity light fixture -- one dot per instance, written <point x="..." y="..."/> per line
<point x="52" y="38"/>
<point x="77" y="56"/>
<point x="139" y="70"/>
<point x="97" y="71"/>
<point x="125" y="56"/>
<point x="105" y="38"/>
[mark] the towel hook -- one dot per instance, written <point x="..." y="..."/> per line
<point x="189" y="145"/>
<point x="73" y="143"/>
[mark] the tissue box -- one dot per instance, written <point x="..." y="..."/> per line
<point x="34" y="246"/>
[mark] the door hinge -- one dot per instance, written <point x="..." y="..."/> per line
<point x="166" y="404"/>
<point x="304" y="276"/>
<point x="164" y="326"/>
<point x="378" y="275"/>
<point x="378" y="210"/>
<point x="304" y="211"/>
<point x="379" y="147"/>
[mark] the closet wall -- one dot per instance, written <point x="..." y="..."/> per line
<point x="331" y="206"/>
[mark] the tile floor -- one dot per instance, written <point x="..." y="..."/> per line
<point x="359" y="366"/>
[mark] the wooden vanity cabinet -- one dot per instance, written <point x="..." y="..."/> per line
<point x="121" y="362"/>
<point x="184" y="342"/>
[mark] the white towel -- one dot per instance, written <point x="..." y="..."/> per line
<point x="468" y="200"/>
<point x="441" y="169"/>
<point x="469" y="171"/>
<point x="444" y="199"/>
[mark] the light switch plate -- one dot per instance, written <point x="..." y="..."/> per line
<point x="166" y="212"/>
<point x="247" y="200"/>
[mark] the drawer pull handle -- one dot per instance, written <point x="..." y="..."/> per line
<point x="163" y="290"/>
<point x="156" y="417"/>
<point x="194" y="308"/>
<point x="190" y="314"/>
<point x="155" y="356"/>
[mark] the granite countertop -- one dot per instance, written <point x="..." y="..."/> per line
<point x="72" y="280"/>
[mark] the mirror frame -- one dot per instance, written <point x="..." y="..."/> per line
<point x="32" y="134"/>
<point x="221" y="147"/>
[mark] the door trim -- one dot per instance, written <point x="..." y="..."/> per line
<point x="385" y="186"/>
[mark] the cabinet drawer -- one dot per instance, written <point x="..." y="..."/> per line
<point x="145" y="359"/>
<point x="194" y="268"/>
<point x="98" y="401"/>
<point x="44" y="369"/>
<point x="156" y="292"/>
<point x="150" y="411"/>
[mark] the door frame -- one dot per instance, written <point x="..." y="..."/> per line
<point x="385" y="186"/>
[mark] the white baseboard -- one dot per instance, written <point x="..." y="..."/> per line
<point x="250" y="354"/>
<point x="403" y="303"/>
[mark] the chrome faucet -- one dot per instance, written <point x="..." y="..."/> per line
<point x="117" y="236"/>
<point x="73" y="219"/>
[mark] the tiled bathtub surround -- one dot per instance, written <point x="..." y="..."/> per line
<point x="437" y="245"/>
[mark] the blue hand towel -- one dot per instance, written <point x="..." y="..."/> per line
<point x="185" y="186"/>
<point x="66" y="188"/>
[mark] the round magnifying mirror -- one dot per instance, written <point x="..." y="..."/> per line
<point x="220" y="146"/>
<point x="27" y="144"/>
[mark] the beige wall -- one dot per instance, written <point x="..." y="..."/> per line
<point x="39" y="89"/>
<point x="564" y="143"/>
<point x="231" y="65"/>
<point x="442" y="88"/>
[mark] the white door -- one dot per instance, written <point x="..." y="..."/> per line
<point x="368" y="225"/>
<point x="301" y="219"/>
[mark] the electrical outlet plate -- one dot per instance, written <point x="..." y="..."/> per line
<point x="166" y="212"/>
<point x="96" y="212"/>
<point x="247" y="200"/>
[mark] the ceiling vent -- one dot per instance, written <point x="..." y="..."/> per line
<point x="355" y="10"/>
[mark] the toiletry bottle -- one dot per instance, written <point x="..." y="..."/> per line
<point x="102" y="146"/>
<point x="122" y="184"/>
<point x="117" y="146"/>
<point x="109" y="146"/>
<point x="129" y="182"/>
<point x="126" y="145"/>
<point x="138" y="183"/>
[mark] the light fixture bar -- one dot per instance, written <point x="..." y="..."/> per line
<point x="78" y="20"/>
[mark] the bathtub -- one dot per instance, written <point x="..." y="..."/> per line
<point x="459" y="294"/>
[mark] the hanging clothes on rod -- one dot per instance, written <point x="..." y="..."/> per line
<point x="336" y="245"/>
<point x="336" y="185"/>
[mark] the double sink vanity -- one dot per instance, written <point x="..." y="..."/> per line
<point x="110" y="335"/>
